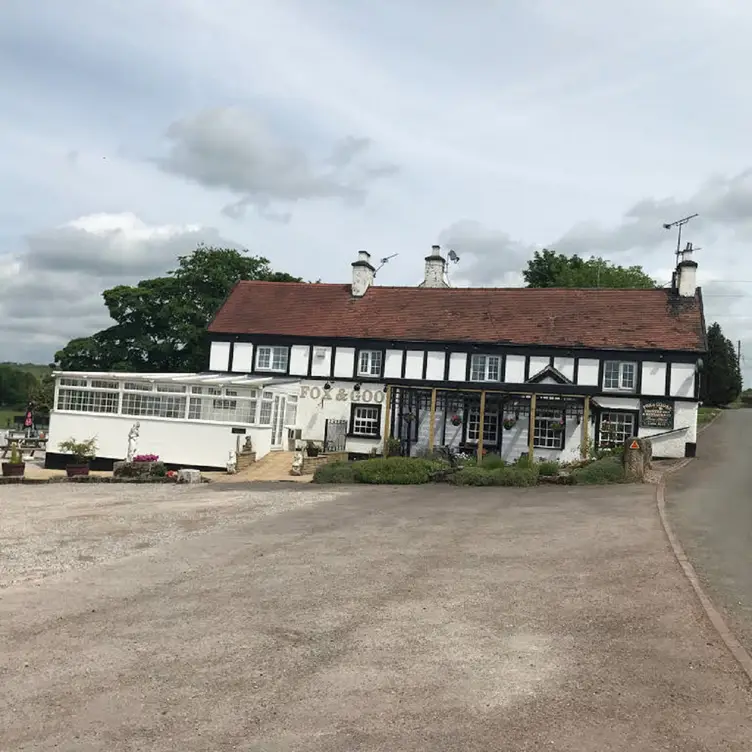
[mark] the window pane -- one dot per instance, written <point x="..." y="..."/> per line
<point x="279" y="359"/>
<point x="376" y="363"/>
<point x="494" y="368"/>
<point x="628" y="375"/>
<point x="615" y="429"/>
<point x="490" y="426"/>
<point x="365" y="421"/>
<point x="364" y="362"/>
<point x="264" y="358"/>
<point x="549" y="429"/>
<point x="611" y="375"/>
<point x="88" y="400"/>
<point x="478" y="368"/>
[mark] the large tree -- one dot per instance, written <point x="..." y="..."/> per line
<point x="550" y="269"/>
<point x="721" y="378"/>
<point x="160" y="323"/>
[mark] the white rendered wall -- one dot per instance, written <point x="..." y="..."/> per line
<point x="177" y="442"/>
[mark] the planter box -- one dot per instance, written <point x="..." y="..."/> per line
<point x="13" y="469"/>
<point x="76" y="471"/>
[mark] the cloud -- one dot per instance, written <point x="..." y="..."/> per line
<point x="724" y="203"/>
<point x="51" y="289"/>
<point x="487" y="257"/>
<point x="235" y="150"/>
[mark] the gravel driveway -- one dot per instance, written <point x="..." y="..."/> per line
<point x="162" y="618"/>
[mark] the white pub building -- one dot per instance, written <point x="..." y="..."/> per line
<point x="549" y="372"/>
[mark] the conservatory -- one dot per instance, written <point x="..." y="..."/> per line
<point x="188" y="419"/>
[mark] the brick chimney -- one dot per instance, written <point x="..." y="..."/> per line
<point x="686" y="274"/>
<point x="362" y="274"/>
<point x="435" y="269"/>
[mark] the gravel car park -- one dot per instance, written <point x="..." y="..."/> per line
<point x="369" y="618"/>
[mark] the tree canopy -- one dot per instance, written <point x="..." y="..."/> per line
<point x="160" y="324"/>
<point x="550" y="269"/>
<point x="721" y="378"/>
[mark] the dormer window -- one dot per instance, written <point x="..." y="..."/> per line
<point x="485" y="368"/>
<point x="619" y="376"/>
<point x="370" y="363"/>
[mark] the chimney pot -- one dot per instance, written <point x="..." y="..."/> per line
<point x="686" y="274"/>
<point x="362" y="274"/>
<point x="435" y="269"/>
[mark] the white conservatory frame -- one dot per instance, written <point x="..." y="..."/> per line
<point x="205" y="398"/>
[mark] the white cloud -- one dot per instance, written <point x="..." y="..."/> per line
<point x="51" y="290"/>
<point x="234" y="149"/>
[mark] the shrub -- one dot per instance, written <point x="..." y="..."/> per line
<point x="394" y="470"/>
<point x="516" y="476"/>
<point x="82" y="451"/>
<point x="334" y="472"/>
<point x="605" y="470"/>
<point x="472" y="476"/>
<point x="548" y="467"/>
<point x="490" y="461"/>
<point x="500" y="476"/>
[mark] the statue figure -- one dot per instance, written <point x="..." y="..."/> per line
<point x="297" y="464"/>
<point x="132" y="436"/>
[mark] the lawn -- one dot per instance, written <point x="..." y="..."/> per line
<point x="706" y="414"/>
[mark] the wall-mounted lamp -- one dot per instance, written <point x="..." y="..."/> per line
<point x="385" y="388"/>
<point x="699" y="365"/>
<point x="356" y="388"/>
<point x="327" y="386"/>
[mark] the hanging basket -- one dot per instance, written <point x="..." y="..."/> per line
<point x="456" y="420"/>
<point x="557" y="426"/>
<point x="509" y="424"/>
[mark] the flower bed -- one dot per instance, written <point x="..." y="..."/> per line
<point x="464" y="470"/>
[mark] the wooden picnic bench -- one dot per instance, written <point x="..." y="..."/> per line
<point x="25" y="445"/>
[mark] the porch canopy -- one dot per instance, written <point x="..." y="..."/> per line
<point x="406" y="405"/>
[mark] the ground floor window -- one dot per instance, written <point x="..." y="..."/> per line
<point x="490" y="426"/>
<point x="366" y="421"/>
<point x="549" y="429"/>
<point x="615" y="428"/>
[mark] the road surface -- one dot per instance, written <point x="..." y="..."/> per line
<point x="709" y="504"/>
<point x="167" y="618"/>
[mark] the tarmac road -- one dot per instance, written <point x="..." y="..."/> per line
<point x="709" y="504"/>
<point x="370" y="620"/>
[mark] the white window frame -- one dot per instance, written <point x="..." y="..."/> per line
<point x="544" y="437"/>
<point x="370" y="362"/>
<point x="277" y="358"/>
<point x="621" y="382"/>
<point x="490" y="427"/>
<point x="369" y="415"/>
<point x="620" y="419"/>
<point x="485" y="367"/>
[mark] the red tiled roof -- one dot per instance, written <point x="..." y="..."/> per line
<point x="617" y="319"/>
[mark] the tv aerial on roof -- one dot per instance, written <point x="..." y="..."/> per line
<point x="383" y="261"/>
<point x="453" y="257"/>
<point x="679" y="224"/>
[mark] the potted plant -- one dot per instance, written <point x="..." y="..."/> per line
<point x="456" y="420"/>
<point x="312" y="449"/>
<point x="16" y="467"/>
<point x="83" y="452"/>
<point x="509" y="423"/>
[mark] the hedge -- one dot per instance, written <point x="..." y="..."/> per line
<point x="334" y="472"/>
<point x="394" y="471"/>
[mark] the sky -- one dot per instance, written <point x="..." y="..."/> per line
<point x="305" y="130"/>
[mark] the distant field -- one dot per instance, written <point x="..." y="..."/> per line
<point x="7" y="414"/>
<point x="34" y="368"/>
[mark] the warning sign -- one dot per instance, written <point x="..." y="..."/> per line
<point x="634" y="445"/>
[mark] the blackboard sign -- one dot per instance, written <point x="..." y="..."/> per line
<point x="238" y="430"/>
<point x="657" y="414"/>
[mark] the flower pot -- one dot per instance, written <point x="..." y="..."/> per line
<point x="312" y="451"/>
<point x="76" y="471"/>
<point x="13" y="469"/>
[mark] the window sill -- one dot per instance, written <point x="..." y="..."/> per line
<point x="619" y="390"/>
<point x="371" y="436"/>
<point x="271" y="370"/>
